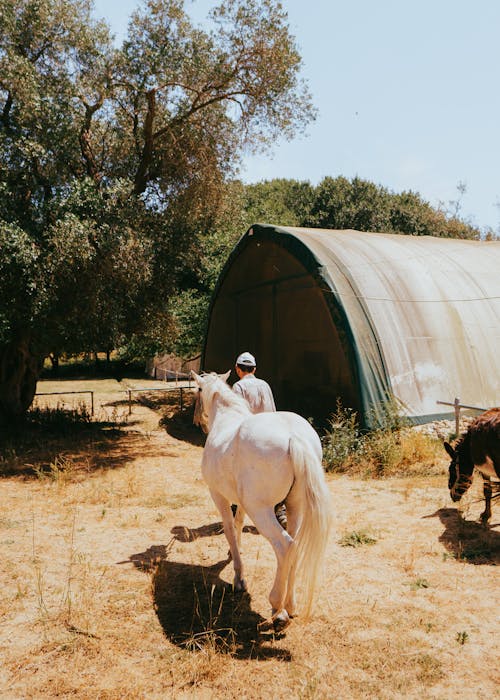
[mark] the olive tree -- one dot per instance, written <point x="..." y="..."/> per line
<point x="114" y="164"/>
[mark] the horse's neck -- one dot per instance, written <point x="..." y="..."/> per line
<point x="466" y="465"/>
<point x="227" y="413"/>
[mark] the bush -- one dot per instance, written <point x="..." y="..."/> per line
<point x="342" y="441"/>
<point x="392" y="448"/>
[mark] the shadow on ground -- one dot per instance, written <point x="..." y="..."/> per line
<point x="467" y="540"/>
<point x="77" y="449"/>
<point x="198" y="610"/>
<point x="179" y="424"/>
<point x="182" y="533"/>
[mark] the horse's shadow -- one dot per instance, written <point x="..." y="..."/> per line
<point x="182" y="533"/>
<point x="467" y="540"/>
<point x="198" y="610"/>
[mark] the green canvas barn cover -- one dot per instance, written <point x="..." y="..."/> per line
<point x="358" y="316"/>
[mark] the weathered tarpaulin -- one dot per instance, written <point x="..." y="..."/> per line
<point x="359" y="316"/>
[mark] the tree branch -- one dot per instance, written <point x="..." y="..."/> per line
<point x="141" y="177"/>
<point x="6" y="111"/>
<point x="85" y="140"/>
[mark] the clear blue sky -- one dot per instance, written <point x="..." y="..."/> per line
<point x="407" y="92"/>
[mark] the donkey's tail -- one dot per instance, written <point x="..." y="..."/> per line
<point x="312" y="538"/>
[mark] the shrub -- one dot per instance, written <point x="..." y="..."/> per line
<point x="390" y="449"/>
<point x="342" y="441"/>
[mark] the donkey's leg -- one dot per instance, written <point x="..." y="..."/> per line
<point x="224" y="508"/>
<point x="487" y="491"/>
<point x="283" y="545"/>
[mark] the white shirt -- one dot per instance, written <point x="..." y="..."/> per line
<point x="257" y="392"/>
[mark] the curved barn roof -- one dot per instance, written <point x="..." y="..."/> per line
<point x="361" y="315"/>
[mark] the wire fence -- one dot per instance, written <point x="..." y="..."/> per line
<point x="180" y="389"/>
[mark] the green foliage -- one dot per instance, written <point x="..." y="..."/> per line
<point x="114" y="164"/>
<point x="419" y="583"/>
<point x="357" y="538"/>
<point x="342" y="440"/>
<point x="382" y="451"/>
<point x="343" y="204"/>
<point x="358" y="204"/>
<point x="282" y="202"/>
<point x="21" y="280"/>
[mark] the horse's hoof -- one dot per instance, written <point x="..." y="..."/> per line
<point x="240" y="585"/>
<point x="281" y="621"/>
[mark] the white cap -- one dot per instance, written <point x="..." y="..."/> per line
<point x="246" y="359"/>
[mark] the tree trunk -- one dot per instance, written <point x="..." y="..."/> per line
<point x="20" y="368"/>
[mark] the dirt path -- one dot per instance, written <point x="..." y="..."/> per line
<point x="115" y="584"/>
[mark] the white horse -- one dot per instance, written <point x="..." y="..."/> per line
<point x="257" y="461"/>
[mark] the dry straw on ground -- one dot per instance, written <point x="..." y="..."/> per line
<point x="115" y="582"/>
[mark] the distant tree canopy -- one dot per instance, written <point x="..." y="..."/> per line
<point x="340" y="203"/>
<point x="114" y="163"/>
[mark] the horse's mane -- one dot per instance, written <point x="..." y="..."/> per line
<point x="229" y="398"/>
<point x="462" y="448"/>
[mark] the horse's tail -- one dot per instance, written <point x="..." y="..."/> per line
<point x="312" y="538"/>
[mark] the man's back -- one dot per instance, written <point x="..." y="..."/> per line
<point x="257" y="392"/>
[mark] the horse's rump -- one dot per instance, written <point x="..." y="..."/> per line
<point x="262" y="452"/>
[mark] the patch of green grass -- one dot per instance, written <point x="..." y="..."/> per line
<point x="449" y="555"/>
<point x="419" y="583"/>
<point x="462" y="637"/>
<point x="356" y="538"/>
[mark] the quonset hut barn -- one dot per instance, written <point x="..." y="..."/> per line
<point x="360" y="316"/>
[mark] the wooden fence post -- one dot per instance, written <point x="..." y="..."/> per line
<point x="457" y="416"/>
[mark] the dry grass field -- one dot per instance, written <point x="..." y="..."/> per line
<point x="115" y="582"/>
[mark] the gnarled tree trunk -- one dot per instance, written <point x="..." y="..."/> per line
<point x="19" y="371"/>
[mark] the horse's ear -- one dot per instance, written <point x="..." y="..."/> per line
<point x="449" y="449"/>
<point x="225" y="376"/>
<point x="196" y="377"/>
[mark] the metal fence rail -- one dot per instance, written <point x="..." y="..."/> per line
<point x="180" y="389"/>
<point x="458" y="406"/>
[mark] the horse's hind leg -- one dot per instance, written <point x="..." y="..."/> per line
<point x="294" y="519"/>
<point x="238" y="524"/>
<point x="239" y="517"/>
<point x="487" y="491"/>
<point x="283" y="545"/>
<point x="294" y="509"/>
<point x="232" y="536"/>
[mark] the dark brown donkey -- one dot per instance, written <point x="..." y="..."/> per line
<point x="479" y="448"/>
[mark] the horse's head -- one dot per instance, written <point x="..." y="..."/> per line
<point x="458" y="482"/>
<point x="207" y="386"/>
